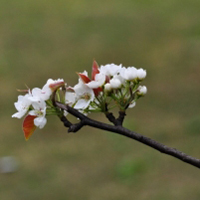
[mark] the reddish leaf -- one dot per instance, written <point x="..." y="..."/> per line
<point x="97" y="91"/>
<point x="84" y="78"/>
<point x="55" y="86"/>
<point x="29" y="126"/>
<point x="95" y="69"/>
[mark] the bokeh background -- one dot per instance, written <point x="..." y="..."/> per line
<point x="54" y="39"/>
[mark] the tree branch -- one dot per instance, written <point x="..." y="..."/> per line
<point x="121" y="117"/>
<point x="126" y="132"/>
<point x="111" y="117"/>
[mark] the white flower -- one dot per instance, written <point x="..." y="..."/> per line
<point x="110" y="69"/>
<point x="36" y="94"/>
<point x="50" y="86"/>
<point x="39" y="111"/>
<point x="46" y="91"/>
<point x="107" y="87"/>
<point x="141" y="74"/>
<point x="98" y="81"/>
<point x="22" y="105"/>
<point x="84" y="95"/>
<point x="115" y="82"/>
<point x="70" y="97"/>
<point x="129" y="73"/>
<point x="44" y="94"/>
<point x="142" y="90"/>
<point x="132" y="104"/>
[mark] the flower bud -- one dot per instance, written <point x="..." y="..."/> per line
<point x="142" y="90"/>
<point x="115" y="83"/>
<point x="107" y="87"/>
<point x="132" y="104"/>
<point x="141" y="74"/>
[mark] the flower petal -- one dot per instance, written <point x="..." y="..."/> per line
<point x="29" y="126"/>
<point x="40" y="122"/>
<point x="82" y="104"/>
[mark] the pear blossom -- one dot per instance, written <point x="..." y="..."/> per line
<point x="132" y="104"/>
<point x="115" y="82"/>
<point x="22" y="105"/>
<point x="47" y="90"/>
<point x="110" y="69"/>
<point x="141" y="74"/>
<point x="142" y="90"/>
<point x="53" y="84"/>
<point x="110" y="85"/>
<point x="84" y="95"/>
<point x="36" y="94"/>
<point x="129" y="73"/>
<point x="40" y="112"/>
<point x="98" y="81"/>
<point x="107" y="87"/>
<point x="70" y="97"/>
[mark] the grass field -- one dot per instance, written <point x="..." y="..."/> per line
<point x="43" y="39"/>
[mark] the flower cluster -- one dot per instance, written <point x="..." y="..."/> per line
<point x="37" y="104"/>
<point x="109" y="86"/>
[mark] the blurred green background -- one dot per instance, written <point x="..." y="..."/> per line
<point x="54" y="39"/>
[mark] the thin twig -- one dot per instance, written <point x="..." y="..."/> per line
<point x="112" y="118"/>
<point x="128" y="133"/>
<point x="121" y="117"/>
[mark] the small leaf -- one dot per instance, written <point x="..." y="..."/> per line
<point x="97" y="91"/>
<point x="56" y="85"/>
<point x="95" y="69"/>
<point x="84" y="78"/>
<point x="29" y="126"/>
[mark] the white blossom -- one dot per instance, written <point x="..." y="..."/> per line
<point x="142" y="90"/>
<point x="70" y="97"/>
<point x="88" y="94"/>
<point x="22" y="105"/>
<point x="141" y="74"/>
<point x="110" y="69"/>
<point x="132" y="104"/>
<point x="84" y="95"/>
<point x="98" y="81"/>
<point x="115" y="82"/>
<point x="39" y="110"/>
<point x="36" y="94"/>
<point x="107" y="87"/>
<point x="129" y="73"/>
<point x="50" y="86"/>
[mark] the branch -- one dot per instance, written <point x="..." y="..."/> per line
<point x="121" y="117"/>
<point x="111" y="117"/>
<point x="126" y="132"/>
